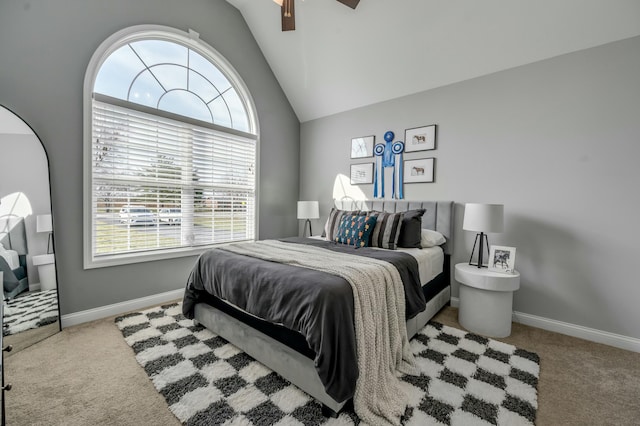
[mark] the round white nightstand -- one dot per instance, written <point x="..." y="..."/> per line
<point x="46" y="264"/>
<point x="486" y="299"/>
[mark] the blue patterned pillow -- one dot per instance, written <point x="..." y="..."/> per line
<point x="355" y="230"/>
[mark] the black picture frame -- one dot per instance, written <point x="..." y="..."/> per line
<point x="361" y="174"/>
<point x="420" y="138"/>
<point x="419" y="170"/>
<point x="362" y="147"/>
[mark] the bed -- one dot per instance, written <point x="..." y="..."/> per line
<point x="297" y="355"/>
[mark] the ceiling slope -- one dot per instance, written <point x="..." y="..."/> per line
<point x="340" y="59"/>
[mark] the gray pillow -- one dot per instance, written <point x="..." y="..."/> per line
<point x="410" y="234"/>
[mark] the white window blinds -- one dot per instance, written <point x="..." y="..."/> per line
<point x="159" y="183"/>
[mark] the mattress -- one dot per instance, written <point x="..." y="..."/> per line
<point x="430" y="261"/>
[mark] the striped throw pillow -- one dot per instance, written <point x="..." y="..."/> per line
<point x="387" y="230"/>
<point x="333" y="222"/>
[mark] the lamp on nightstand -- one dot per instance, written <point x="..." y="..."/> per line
<point x="482" y="218"/>
<point x="308" y="210"/>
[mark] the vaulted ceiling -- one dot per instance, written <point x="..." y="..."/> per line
<point x="338" y="58"/>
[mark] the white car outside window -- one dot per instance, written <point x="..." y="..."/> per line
<point x="136" y="215"/>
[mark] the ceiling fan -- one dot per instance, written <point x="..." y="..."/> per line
<point x="288" y="12"/>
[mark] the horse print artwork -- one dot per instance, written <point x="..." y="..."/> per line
<point x="419" y="139"/>
<point x="501" y="259"/>
<point x="420" y="170"/>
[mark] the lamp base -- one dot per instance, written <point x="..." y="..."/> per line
<point x="482" y="237"/>
<point x="304" y="232"/>
<point x="50" y="243"/>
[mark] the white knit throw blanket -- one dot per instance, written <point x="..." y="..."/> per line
<point x="379" y="312"/>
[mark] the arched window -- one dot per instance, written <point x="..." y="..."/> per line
<point x="170" y="149"/>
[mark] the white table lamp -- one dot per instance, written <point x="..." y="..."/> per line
<point x="482" y="218"/>
<point x="45" y="224"/>
<point x="308" y="210"/>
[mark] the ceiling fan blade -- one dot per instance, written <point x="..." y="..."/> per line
<point x="287" y="12"/>
<point x="351" y="3"/>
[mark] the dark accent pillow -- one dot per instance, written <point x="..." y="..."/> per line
<point x="355" y="230"/>
<point x="387" y="230"/>
<point x="410" y="233"/>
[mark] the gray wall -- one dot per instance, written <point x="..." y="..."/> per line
<point x="557" y="142"/>
<point x="45" y="47"/>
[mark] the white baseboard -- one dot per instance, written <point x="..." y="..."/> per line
<point x="119" y="308"/>
<point x="34" y="287"/>
<point x="586" y="333"/>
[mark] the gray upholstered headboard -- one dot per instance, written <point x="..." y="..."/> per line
<point x="438" y="215"/>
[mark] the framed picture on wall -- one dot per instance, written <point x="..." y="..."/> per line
<point x="419" y="171"/>
<point x="420" y="138"/>
<point x="502" y="259"/>
<point x="362" y="147"/>
<point x="361" y="174"/>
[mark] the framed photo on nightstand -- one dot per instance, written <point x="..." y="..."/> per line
<point x="502" y="259"/>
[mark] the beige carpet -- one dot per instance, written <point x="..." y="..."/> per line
<point x="87" y="375"/>
<point x="26" y="338"/>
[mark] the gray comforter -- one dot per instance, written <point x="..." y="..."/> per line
<point x="316" y="304"/>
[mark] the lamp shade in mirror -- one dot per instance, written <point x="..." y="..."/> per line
<point x="43" y="223"/>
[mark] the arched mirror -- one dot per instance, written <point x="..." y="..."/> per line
<point x="27" y="258"/>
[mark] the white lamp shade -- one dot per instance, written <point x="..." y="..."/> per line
<point x="483" y="217"/>
<point x="43" y="223"/>
<point x="308" y="210"/>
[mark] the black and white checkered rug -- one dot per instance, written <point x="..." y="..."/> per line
<point x="465" y="379"/>
<point x="30" y="310"/>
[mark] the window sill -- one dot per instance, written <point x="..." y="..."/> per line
<point x="130" y="258"/>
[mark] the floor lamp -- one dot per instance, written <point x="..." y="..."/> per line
<point x="482" y="218"/>
<point x="308" y="210"/>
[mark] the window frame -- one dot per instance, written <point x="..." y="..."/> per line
<point x="192" y="40"/>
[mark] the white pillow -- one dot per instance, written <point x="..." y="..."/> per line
<point x="430" y="238"/>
